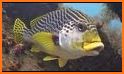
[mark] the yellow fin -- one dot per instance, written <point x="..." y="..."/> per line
<point x="48" y="58"/>
<point x="18" y="29"/>
<point x="62" y="62"/>
<point x="45" y="40"/>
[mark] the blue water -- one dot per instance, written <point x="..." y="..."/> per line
<point x="93" y="9"/>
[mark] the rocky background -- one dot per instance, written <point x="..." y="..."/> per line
<point x="17" y="57"/>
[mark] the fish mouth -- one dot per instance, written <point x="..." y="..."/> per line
<point x="97" y="46"/>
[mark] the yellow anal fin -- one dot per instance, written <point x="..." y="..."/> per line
<point x="62" y="62"/>
<point x="48" y="58"/>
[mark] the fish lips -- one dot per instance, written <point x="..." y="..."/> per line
<point x="93" y="46"/>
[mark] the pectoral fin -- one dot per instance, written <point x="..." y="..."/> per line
<point x="45" y="40"/>
<point x="62" y="62"/>
<point x="48" y="58"/>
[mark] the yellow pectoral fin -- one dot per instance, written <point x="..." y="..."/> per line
<point x="62" y="62"/>
<point x="48" y="58"/>
<point x="45" y="40"/>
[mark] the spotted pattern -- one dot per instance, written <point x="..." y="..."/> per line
<point x="19" y="29"/>
<point x="55" y="21"/>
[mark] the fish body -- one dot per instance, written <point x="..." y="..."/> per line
<point x="64" y="34"/>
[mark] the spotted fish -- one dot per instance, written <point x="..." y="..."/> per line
<point x="63" y="34"/>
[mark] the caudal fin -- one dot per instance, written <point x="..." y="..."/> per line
<point x="18" y="29"/>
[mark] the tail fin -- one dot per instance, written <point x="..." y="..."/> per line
<point x="18" y="29"/>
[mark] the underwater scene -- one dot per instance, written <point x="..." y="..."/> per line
<point x="84" y="37"/>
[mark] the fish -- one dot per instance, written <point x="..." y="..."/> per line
<point x="64" y="34"/>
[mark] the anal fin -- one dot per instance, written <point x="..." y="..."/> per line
<point x="62" y="62"/>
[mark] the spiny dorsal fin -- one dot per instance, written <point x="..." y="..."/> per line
<point x="34" y="21"/>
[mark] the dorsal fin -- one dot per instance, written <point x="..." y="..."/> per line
<point x="34" y="21"/>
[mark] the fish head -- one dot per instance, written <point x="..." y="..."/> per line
<point x="81" y="36"/>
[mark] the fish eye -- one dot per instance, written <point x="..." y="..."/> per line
<point x="81" y="27"/>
